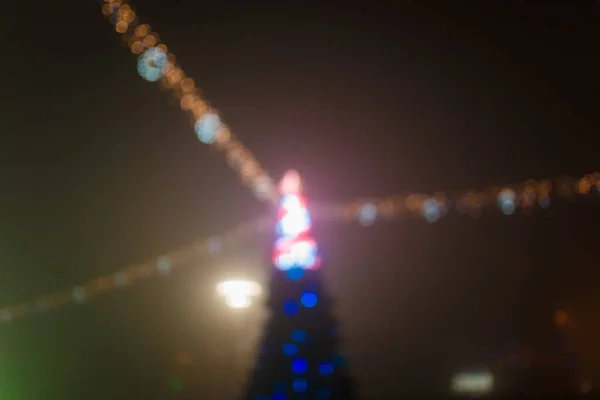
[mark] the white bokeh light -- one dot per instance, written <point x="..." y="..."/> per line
<point x="239" y="293"/>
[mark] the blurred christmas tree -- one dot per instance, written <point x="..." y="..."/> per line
<point x="299" y="356"/>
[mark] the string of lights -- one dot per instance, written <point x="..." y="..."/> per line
<point x="508" y="198"/>
<point x="157" y="64"/>
<point x="125" y="277"/>
<point x="525" y="196"/>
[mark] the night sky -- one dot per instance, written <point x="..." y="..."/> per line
<point x="100" y="170"/>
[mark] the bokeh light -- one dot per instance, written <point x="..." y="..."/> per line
<point x="299" y="385"/>
<point x="239" y="293"/>
<point x="290" y="349"/>
<point x="299" y="335"/>
<point x="432" y="209"/>
<point x="290" y="307"/>
<point x="367" y="214"/>
<point x="326" y="368"/>
<point x="299" y="365"/>
<point x="309" y="299"/>
<point x="151" y="63"/>
<point x="507" y="201"/>
<point x="295" y="273"/>
<point x="206" y="127"/>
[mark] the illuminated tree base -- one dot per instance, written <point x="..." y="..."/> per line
<point x="299" y="358"/>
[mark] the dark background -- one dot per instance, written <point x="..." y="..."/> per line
<point x="100" y="171"/>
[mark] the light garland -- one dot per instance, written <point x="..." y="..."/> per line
<point x="156" y="64"/>
<point x="161" y="266"/>
<point x="524" y="196"/>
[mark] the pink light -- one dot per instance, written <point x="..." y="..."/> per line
<point x="290" y="184"/>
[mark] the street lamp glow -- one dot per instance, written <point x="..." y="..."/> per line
<point x="239" y="294"/>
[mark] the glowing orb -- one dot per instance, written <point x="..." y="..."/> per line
<point x="325" y="368"/>
<point x="309" y="299"/>
<point x="150" y="64"/>
<point x="290" y="184"/>
<point x="367" y="214"/>
<point x="290" y="349"/>
<point x="507" y="201"/>
<point x="300" y="385"/>
<point x="206" y="127"/>
<point x="299" y="365"/>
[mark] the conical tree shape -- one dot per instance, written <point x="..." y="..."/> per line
<point x="299" y="357"/>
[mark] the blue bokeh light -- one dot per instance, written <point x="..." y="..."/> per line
<point x="325" y="368"/>
<point x="290" y="349"/>
<point x="164" y="265"/>
<point x="151" y="63"/>
<point x="299" y="365"/>
<point x="295" y="273"/>
<point x="507" y="201"/>
<point x="279" y="396"/>
<point x="300" y="385"/>
<point x="299" y="335"/>
<point x="432" y="210"/>
<point x="309" y="299"/>
<point x="290" y="307"/>
<point x="323" y="393"/>
<point x="206" y="127"/>
<point x="367" y="214"/>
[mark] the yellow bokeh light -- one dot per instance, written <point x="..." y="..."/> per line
<point x="188" y="85"/>
<point x="150" y="40"/>
<point x="199" y="108"/>
<point x="121" y="26"/>
<point x="129" y="16"/>
<point x="175" y="76"/>
<point x="107" y="10"/>
<point x="584" y="186"/>
<point x="137" y="47"/>
<point x="187" y="101"/>
<point x="223" y="137"/>
<point x="142" y="30"/>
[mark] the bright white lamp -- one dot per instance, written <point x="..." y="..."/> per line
<point x="239" y="294"/>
